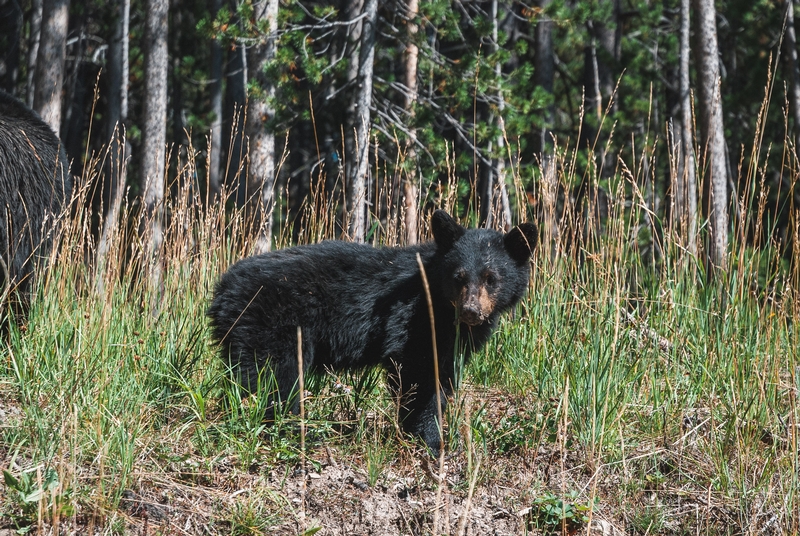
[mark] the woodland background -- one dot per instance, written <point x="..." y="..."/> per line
<point x="301" y="97"/>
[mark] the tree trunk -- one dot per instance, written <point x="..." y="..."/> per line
<point x="794" y="67"/>
<point x="261" y="139"/>
<point x="600" y="63"/>
<point x="353" y="10"/>
<point x="544" y="72"/>
<point x="79" y="81"/>
<point x="686" y="185"/>
<point x="496" y="183"/>
<point x="363" y="100"/>
<point x="118" y="151"/>
<point x="75" y="92"/>
<point x="175" y="82"/>
<point x="50" y="62"/>
<point x="602" y="49"/>
<point x="215" y="137"/>
<point x="155" y="127"/>
<point x="594" y="96"/>
<point x="410" y="188"/>
<point x="605" y="56"/>
<point x="33" y="49"/>
<point x="715" y="183"/>
<point x="118" y="72"/>
<point x="233" y="124"/>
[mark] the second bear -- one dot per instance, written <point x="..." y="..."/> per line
<point x="35" y="187"/>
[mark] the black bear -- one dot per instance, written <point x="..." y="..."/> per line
<point x="35" y="186"/>
<point x="359" y="306"/>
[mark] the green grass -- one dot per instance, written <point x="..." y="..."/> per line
<point x="622" y="389"/>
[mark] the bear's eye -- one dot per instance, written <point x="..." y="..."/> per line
<point x="460" y="279"/>
<point x="491" y="279"/>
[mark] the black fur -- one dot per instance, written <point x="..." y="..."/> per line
<point x="34" y="188"/>
<point x="359" y="306"/>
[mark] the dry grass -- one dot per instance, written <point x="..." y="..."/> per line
<point x="626" y="390"/>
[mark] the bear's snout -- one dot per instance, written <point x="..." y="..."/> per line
<point x="471" y="315"/>
<point x="475" y="305"/>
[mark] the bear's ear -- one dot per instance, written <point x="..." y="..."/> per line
<point x="445" y="230"/>
<point x="521" y="241"/>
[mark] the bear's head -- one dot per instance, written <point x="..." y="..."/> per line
<point x="483" y="271"/>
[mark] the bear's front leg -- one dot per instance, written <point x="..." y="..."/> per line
<point x="427" y="425"/>
<point x="418" y="407"/>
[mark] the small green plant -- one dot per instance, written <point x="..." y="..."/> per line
<point x="251" y="516"/>
<point x="377" y="456"/>
<point x="524" y="430"/>
<point x="30" y="491"/>
<point x="648" y="519"/>
<point x="551" y="514"/>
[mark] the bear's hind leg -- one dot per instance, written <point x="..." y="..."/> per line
<point x="273" y="377"/>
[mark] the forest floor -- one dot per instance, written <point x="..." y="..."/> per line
<point x="542" y="484"/>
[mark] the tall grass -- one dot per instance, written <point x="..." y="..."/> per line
<point x="668" y="399"/>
